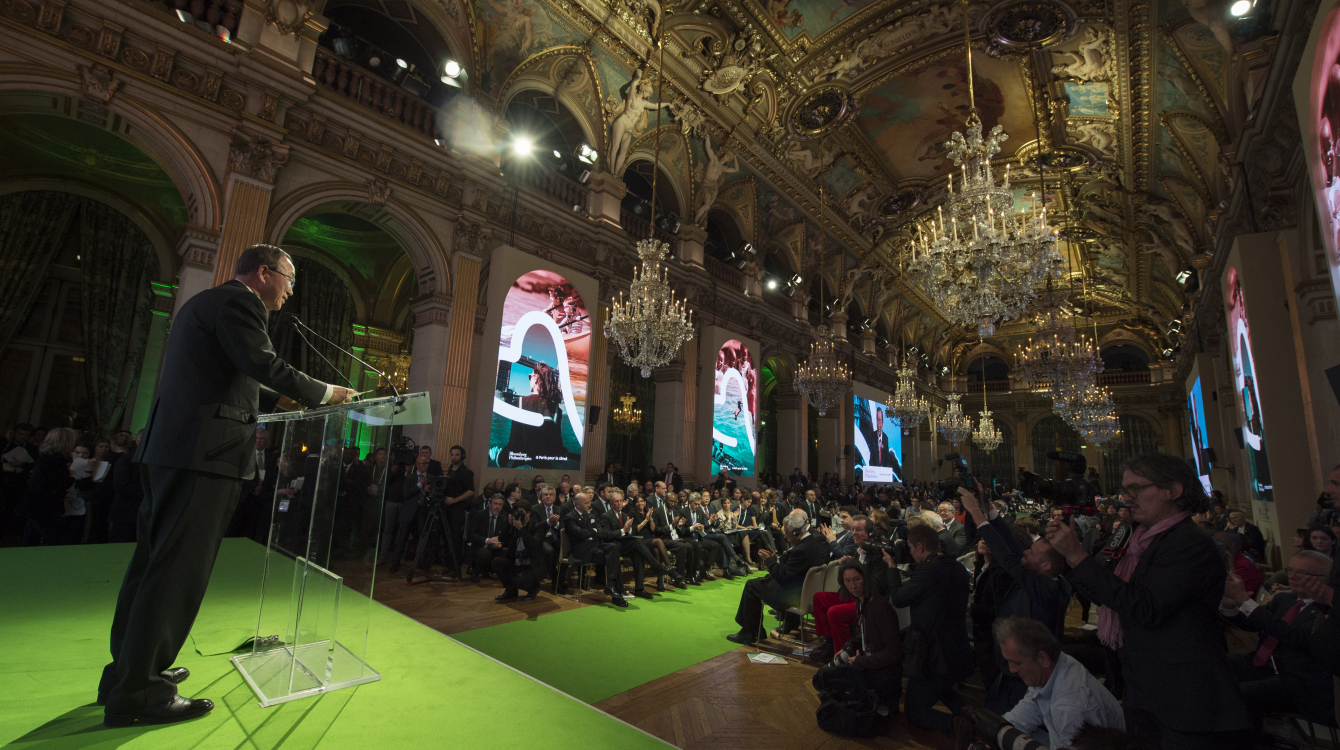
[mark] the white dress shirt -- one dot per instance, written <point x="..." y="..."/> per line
<point x="1053" y="713"/>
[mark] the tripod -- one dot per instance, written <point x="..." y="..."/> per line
<point x="436" y="523"/>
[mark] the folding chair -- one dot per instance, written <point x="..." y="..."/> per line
<point x="814" y="579"/>
<point x="565" y="558"/>
<point x="832" y="583"/>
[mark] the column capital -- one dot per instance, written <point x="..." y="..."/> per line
<point x="255" y="156"/>
<point x="431" y="309"/>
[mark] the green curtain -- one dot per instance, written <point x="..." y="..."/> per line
<point x="33" y="226"/>
<point x="324" y="304"/>
<point x="118" y="262"/>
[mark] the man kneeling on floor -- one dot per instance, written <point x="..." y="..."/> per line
<point x="780" y="588"/>
<point x="521" y="566"/>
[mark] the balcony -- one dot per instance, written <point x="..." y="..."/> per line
<point x="565" y="191"/>
<point x="375" y="92"/>
<point x="640" y="229"/>
<point x="1123" y="378"/>
<point x="992" y="386"/>
<point x="725" y="275"/>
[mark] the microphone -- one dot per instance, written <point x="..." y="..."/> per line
<point x="298" y="325"/>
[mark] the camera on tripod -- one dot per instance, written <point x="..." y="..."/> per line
<point x="1075" y="494"/>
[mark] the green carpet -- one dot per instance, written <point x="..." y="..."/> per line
<point x="592" y="653"/>
<point x="55" y="607"/>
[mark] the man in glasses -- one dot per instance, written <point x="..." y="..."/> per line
<point x="1283" y="674"/>
<point x="219" y="371"/>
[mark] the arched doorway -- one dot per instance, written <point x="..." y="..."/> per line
<point x="1051" y="433"/>
<point x="1137" y="437"/>
<point x="630" y="444"/>
<point x="995" y="468"/>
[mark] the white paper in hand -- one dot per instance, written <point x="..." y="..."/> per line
<point x="19" y="455"/>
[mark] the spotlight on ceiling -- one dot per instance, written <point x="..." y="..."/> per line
<point x="400" y="62"/>
<point x="451" y="69"/>
<point x="344" y="47"/>
<point x="796" y="280"/>
<point x="1240" y="8"/>
<point x="374" y="61"/>
<point x="772" y="283"/>
<point x="185" y="17"/>
<point x="586" y="154"/>
<point x="521" y="146"/>
<point x="748" y="249"/>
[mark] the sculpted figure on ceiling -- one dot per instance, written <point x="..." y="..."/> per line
<point x="629" y="120"/>
<point x="710" y="176"/>
<point x="1089" y="63"/>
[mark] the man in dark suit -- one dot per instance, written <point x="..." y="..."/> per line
<point x="1284" y="675"/>
<point x="936" y="595"/>
<point x="617" y="527"/>
<point x="880" y="454"/>
<point x="586" y="545"/>
<point x="609" y="476"/>
<point x="724" y="482"/>
<point x="1253" y="543"/>
<point x="670" y="475"/>
<point x="218" y="372"/>
<point x="809" y="504"/>
<point x="797" y="479"/>
<point x="954" y="537"/>
<point x="780" y="588"/>
<point x="522" y="564"/>
<point x="415" y="489"/>
<point x="434" y="466"/>
<point x="1038" y="592"/>
<point x="548" y="517"/>
<point x="692" y="525"/>
<point x="489" y="536"/>
<point x="668" y="529"/>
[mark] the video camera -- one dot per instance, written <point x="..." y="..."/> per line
<point x="1075" y="494"/>
<point x="962" y="476"/>
<point x="405" y="451"/>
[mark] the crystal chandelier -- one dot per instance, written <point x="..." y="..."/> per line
<point x="1089" y="405"/>
<point x="627" y="420"/>
<point x="986" y="436"/>
<point x="955" y="426"/>
<point x="1057" y="360"/>
<point x="1106" y="429"/>
<point x="823" y="379"/>
<point x="651" y="324"/>
<point x="905" y="404"/>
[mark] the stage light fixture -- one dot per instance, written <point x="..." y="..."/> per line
<point x="451" y="69"/>
<point x="1240" y="8"/>
<point x="374" y="61"/>
<point x="772" y="283"/>
<point x="521" y="145"/>
<point x="586" y="154"/>
<point x="185" y="17"/>
<point x="400" y="62"/>
<point x="584" y="176"/>
<point x="557" y="155"/>
<point x="796" y="280"/>
<point x="344" y="47"/>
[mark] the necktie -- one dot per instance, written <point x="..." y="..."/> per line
<point x="491" y="521"/>
<point x="1268" y="645"/>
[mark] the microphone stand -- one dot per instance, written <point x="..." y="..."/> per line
<point x="399" y="399"/>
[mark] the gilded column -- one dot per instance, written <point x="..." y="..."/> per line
<point x="597" y="394"/>
<point x="253" y="162"/>
<point x="451" y="405"/>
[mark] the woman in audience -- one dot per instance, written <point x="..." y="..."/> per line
<point x="44" y="501"/>
<point x="873" y="657"/>
<point x="1322" y="539"/>
<point x="644" y="525"/>
<point x="97" y="492"/>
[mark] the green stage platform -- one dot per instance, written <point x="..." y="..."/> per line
<point x="56" y="605"/>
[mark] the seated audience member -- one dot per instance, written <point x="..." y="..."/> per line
<point x="691" y="525"/>
<point x="876" y="661"/>
<point x="1253" y="543"/>
<point x="1251" y="576"/>
<point x="937" y="595"/>
<point x="668" y="529"/>
<point x="1284" y="674"/>
<point x="549" y="517"/>
<point x="1323" y="540"/>
<point x="839" y="540"/>
<point x="1038" y="591"/>
<point x="586" y="544"/>
<point x="834" y="612"/>
<point x="954" y="537"/>
<point x="712" y="528"/>
<point x="617" y="526"/>
<point x="780" y="588"/>
<point x="521" y="566"/>
<point x="489" y="536"/>
<point x="1159" y="612"/>
<point x="44" y="502"/>
<point x="1062" y="696"/>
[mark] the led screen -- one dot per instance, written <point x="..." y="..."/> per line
<point x="539" y="399"/>
<point x="1244" y="379"/>
<point x="734" y="404"/>
<point x="1200" y="439"/>
<point x="879" y="444"/>
<point x="1323" y="127"/>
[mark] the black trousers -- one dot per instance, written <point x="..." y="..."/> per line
<point x="515" y="575"/>
<point x="636" y="551"/>
<point x="606" y="554"/>
<point x="757" y="592"/>
<point x="181" y="524"/>
<point x="686" y="556"/>
<point x="481" y="558"/>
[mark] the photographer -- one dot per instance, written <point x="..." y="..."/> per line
<point x="1325" y="512"/>
<point x="521" y="566"/>
<point x="1038" y="591"/>
<point x="873" y="658"/>
<point x="1160" y="612"/>
<point x="833" y="616"/>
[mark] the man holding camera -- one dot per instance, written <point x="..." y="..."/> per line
<point x="522" y="564"/>
<point x="1038" y="591"/>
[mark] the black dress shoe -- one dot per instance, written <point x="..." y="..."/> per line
<point x="619" y="601"/>
<point x="177" y="709"/>
<point x="174" y="675"/>
<point x="641" y="594"/>
<point x="395" y="567"/>
<point x="679" y="583"/>
<point x="474" y="578"/>
<point x="742" y="638"/>
<point x="695" y="581"/>
<point x="660" y="584"/>
<point x="529" y="597"/>
<point x="504" y="596"/>
<point x="709" y="577"/>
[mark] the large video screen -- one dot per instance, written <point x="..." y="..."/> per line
<point x="734" y="404"/>
<point x="539" y="399"/>
<point x="1322" y="126"/>
<point x="1244" y="378"/>
<point x="879" y="443"/>
<point x="1200" y="439"/>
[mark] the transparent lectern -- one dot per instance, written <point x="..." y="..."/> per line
<point x="321" y="559"/>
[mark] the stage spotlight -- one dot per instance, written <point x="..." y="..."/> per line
<point x="748" y="249"/>
<point x="521" y="145"/>
<point x="185" y="17"/>
<point x="451" y="69"/>
<point x="374" y="61"/>
<point x="584" y="176"/>
<point x="1240" y="8"/>
<point x="586" y="154"/>
<point x="797" y="280"/>
<point x="344" y="47"/>
<point x="400" y="62"/>
<point x="557" y="155"/>
<point x="772" y="283"/>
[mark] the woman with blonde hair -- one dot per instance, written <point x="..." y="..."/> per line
<point x="44" y="501"/>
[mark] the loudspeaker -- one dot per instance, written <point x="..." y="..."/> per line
<point x="846" y="450"/>
<point x="1209" y="455"/>
<point x="593" y="420"/>
<point x="1237" y="433"/>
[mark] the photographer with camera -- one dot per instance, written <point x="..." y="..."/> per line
<point x="1038" y="591"/>
<point x="873" y="657"/>
<point x="521" y="566"/>
<point x="833" y="616"/>
<point x="1160" y="612"/>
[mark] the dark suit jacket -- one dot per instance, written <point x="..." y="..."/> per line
<point x="1174" y="637"/>
<point x="479" y="528"/>
<point x="1293" y="655"/>
<point x="218" y="372"/>
<point x="676" y="482"/>
<point x="539" y="516"/>
<point x="789" y="568"/>
<point x="583" y="536"/>
<point x="50" y="480"/>
<point x="410" y="490"/>
<point x="435" y="467"/>
<point x="953" y="539"/>
<point x="937" y="595"/>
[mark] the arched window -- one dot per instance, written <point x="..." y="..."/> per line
<point x="1125" y="358"/>
<point x="997" y="467"/>
<point x="988" y="367"/>
<point x="1052" y="434"/>
<point x="1137" y="437"/>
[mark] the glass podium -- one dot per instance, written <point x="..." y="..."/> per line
<point x="320" y="562"/>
